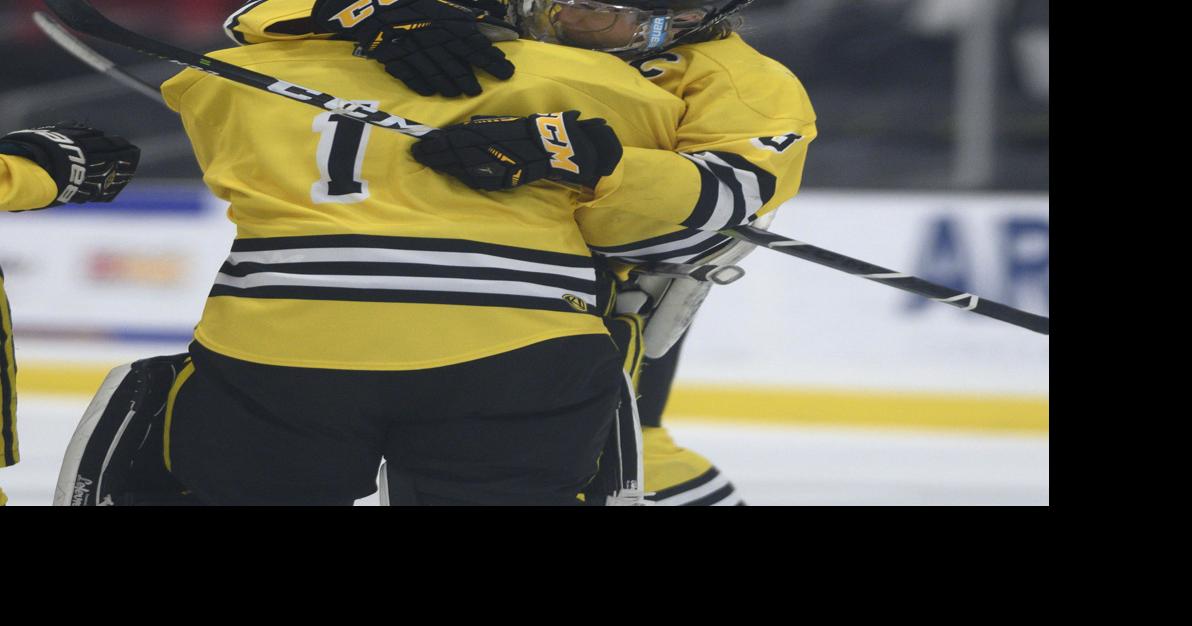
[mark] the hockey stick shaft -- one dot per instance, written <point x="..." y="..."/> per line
<point x="898" y="280"/>
<point x="81" y="16"/>
<point x="86" y="54"/>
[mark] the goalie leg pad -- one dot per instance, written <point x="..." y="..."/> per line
<point x="116" y="456"/>
<point x="654" y="384"/>
<point x="677" y="476"/>
<point x="621" y="475"/>
<point x="9" y="453"/>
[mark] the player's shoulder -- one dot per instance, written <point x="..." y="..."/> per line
<point x="597" y="74"/>
<point x="303" y="50"/>
<point x="758" y="80"/>
<point x="567" y="64"/>
<point x="299" y="53"/>
<point x="732" y="55"/>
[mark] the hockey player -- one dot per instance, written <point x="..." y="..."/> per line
<point x="372" y="308"/>
<point x="40" y="168"/>
<point x="740" y="153"/>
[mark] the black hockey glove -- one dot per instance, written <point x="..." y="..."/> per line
<point x="430" y="45"/>
<point x="492" y="153"/>
<point x="87" y="165"/>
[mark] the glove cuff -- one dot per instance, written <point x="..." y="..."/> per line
<point x="28" y="150"/>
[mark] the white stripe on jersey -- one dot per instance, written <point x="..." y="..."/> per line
<point x="420" y="257"/>
<point x="722" y="215"/>
<point x="695" y="238"/>
<point x="400" y="283"/>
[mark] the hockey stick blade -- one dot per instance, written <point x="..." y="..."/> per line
<point x="898" y="280"/>
<point x="97" y="61"/>
<point x="81" y="16"/>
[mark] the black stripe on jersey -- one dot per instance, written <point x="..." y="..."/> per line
<point x="606" y="297"/>
<point x="716" y="496"/>
<point x="765" y="180"/>
<point x="717" y="247"/>
<point x="644" y="243"/>
<point x="356" y="268"/>
<point x="412" y="243"/>
<point x="713" y="176"/>
<point x="396" y="296"/>
<point x="702" y="248"/>
<point x="726" y="177"/>
<point x="8" y="455"/>
<point x="694" y="483"/>
<point x="709" y="196"/>
<point x="234" y="19"/>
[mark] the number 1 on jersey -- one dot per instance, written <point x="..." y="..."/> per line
<point x="340" y="156"/>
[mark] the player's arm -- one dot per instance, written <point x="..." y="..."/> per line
<point x="259" y="21"/>
<point x="65" y="162"/>
<point x="738" y="156"/>
<point x="24" y="184"/>
<point x="747" y="149"/>
<point x="430" y="45"/>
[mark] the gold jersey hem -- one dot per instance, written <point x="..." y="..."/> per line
<point x="388" y="366"/>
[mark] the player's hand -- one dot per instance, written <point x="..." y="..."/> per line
<point x="86" y="164"/>
<point x="430" y="45"/>
<point x="492" y="153"/>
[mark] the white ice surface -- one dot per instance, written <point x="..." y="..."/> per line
<point x="768" y="465"/>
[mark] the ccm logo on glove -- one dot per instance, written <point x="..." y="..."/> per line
<point x="554" y="139"/>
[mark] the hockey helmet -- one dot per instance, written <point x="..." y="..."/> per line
<point x="627" y="28"/>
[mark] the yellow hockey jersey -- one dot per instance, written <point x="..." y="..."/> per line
<point x="23" y="185"/>
<point x="739" y="152"/>
<point x="351" y="255"/>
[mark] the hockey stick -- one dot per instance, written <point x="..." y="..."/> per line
<point x="86" y="54"/>
<point x="81" y="16"/>
<point x="898" y="280"/>
<point x="719" y="274"/>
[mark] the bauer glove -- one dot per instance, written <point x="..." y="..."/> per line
<point x="492" y="153"/>
<point x="87" y="165"/>
<point x="430" y="45"/>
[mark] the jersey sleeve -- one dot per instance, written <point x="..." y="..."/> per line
<point x="272" y="20"/>
<point x="740" y="152"/>
<point x="24" y="185"/>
